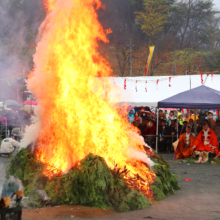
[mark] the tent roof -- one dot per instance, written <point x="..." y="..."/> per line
<point x="200" y="97"/>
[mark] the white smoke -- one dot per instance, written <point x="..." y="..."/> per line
<point x="133" y="153"/>
<point x="139" y="155"/>
<point x="32" y="131"/>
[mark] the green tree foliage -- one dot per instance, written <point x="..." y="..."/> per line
<point x="189" y="60"/>
<point x="212" y="60"/>
<point x="153" y="18"/>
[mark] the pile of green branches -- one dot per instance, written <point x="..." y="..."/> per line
<point x="165" y="182"/>
<point x="91" y="183"/>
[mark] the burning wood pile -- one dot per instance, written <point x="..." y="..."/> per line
<point x="85" y="152"/>
<point x="92" y="183"/>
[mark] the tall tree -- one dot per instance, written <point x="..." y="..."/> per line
<point x="153" y="18"/>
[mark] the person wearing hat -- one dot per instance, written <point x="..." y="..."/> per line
<point x="180" y="119"/>
<point x="207" y="141"/>
<point x="150" y="133"/>
<point x="210" y="116"/>
<point x="9" y="145"/>
<point x="186" y="144"/>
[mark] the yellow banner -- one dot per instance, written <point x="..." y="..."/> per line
<point x="149" y="59"/>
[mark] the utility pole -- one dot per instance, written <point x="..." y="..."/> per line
<point x="174" y="65"/>
<point x="131" y="52"/>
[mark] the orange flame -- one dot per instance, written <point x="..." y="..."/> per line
<point x="49" y="5"/>
<point x="75" y="113"/>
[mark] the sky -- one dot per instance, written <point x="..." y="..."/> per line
<point x="217" y="3"/>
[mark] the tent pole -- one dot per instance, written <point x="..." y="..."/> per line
<point x="157" y="130"/>
<point x="177" y="127"/>
<point x="195" y="124"/>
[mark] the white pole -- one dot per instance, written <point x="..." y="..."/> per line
<point x="157" y="130"/>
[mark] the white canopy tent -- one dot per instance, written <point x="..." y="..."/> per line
<point x="133" y="90"/>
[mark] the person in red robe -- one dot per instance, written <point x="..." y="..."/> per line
<point x="186" y="144"/>
<point x="207" y="140"/>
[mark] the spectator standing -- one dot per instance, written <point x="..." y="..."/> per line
<point x="131" y="116"/>
<point x="137" y="117"/>
<point x="183" y="130"/>
<point x="192" y="116"/>
<point x="150" y="133"/>
<point x="143" y="114"/>
<point x="180" y="119"/>
<point x="171" y="117"/>
<point x="209" y="116"/>
<point x="143" y="126"/>
<point x="164" y="141"/>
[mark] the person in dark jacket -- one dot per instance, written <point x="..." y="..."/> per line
<point x="183" y="130"/>
<point x="164" y="142"/>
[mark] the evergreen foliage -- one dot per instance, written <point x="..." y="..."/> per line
<point x="90" y="183"/>
<point x="165" y="182"/>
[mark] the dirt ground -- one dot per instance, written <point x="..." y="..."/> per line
<point x="197" y="199"/>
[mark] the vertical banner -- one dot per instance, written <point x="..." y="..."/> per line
<point x="136" y="86"/>
<point x="125" y="85"/>
<point x="149" y="59"/>
<point x="157" y="83"/>
<point x="146" y="86"/>
<point x="201" y="78"/>
<point x="169" y="81"/>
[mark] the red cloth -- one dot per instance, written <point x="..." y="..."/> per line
<point x="213" y="141"/>
<point x="150" y="131"/>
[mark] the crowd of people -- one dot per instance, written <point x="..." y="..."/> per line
<point x="10" y="119"/>
<point x="178" y="127"/>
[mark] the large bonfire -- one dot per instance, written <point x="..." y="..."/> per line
<point x="77" y="115"/>
<point x="87" y="152"/>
